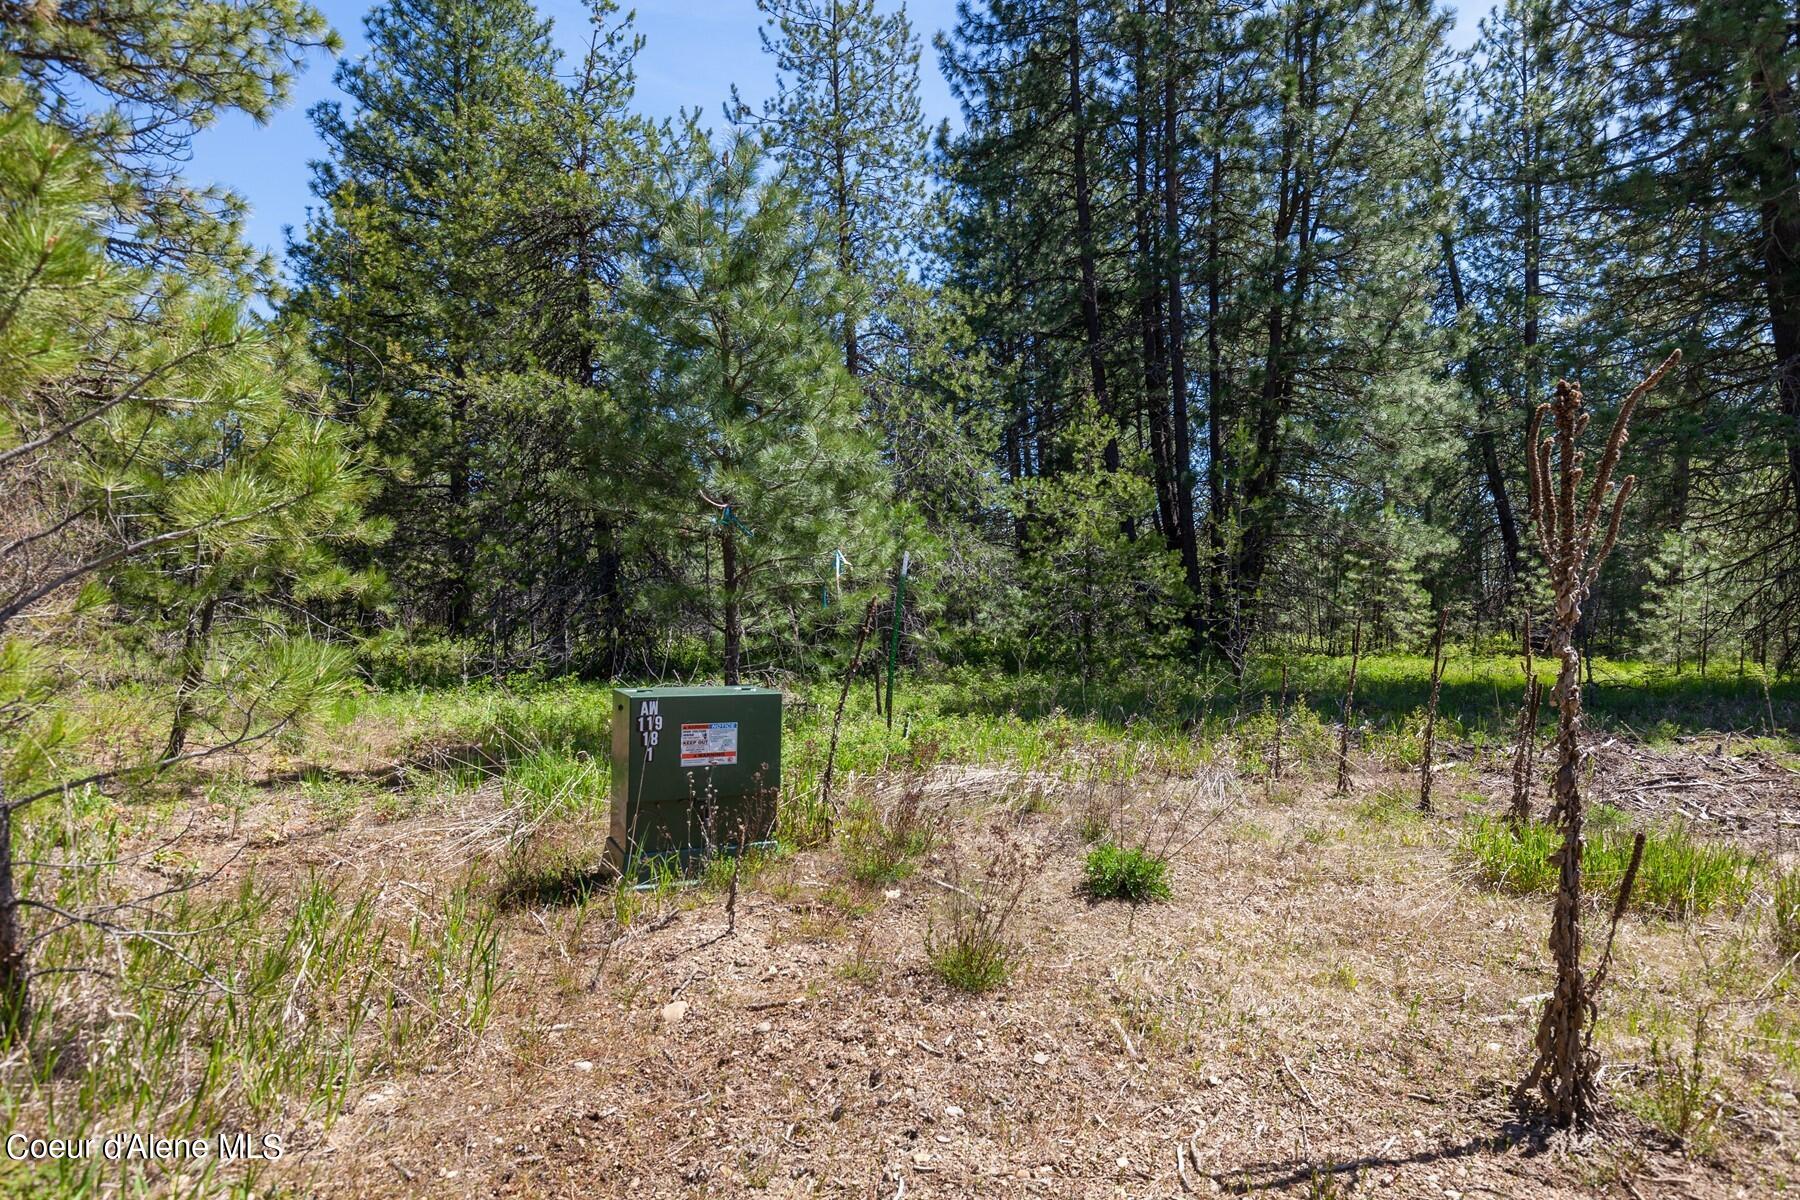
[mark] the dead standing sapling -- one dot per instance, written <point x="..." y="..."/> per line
<point x="1437" y="682"/>
<point x="1343" y="774"/>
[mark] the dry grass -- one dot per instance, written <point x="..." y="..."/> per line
<point x="1329" y="1003"/>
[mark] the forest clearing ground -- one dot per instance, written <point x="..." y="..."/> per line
<point x="1334" y="1000"/>
<point x="1329" y="1005"/>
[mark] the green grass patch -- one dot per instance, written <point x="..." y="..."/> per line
<point x="1128" y="873"/>
<point x="1480" y="695"/>
<point x="975" y="956"/>
<point x="248" y="1009"/>
<point x="1681" y="874"/>
<point x="1388" y="807"/>
<point x="557" y="781"/>
<point x="1787" y="913"/>
<point x="881" y="846"/>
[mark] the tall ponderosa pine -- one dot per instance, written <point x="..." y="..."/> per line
<point x="1321" y="325"/>
<point x="1705" y="190"/>
<point x="845" y="120"/>
<point x="1194" y="214"/>
<point x="458" y="279"/>
<point x="1036" y="240"/>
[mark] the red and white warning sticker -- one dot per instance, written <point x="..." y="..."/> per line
<point x="713" y="745"/>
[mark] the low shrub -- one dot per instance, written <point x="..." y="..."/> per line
<point x="1129" y="873"/>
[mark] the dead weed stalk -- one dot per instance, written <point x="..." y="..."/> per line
<point x="1566" y="1065"/>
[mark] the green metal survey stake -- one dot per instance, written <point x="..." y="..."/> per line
<point x="894" y="641"/>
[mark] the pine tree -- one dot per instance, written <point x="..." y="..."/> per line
<point x="1527" y="238"/>
<point x="265" y="447"/>
<point x="1695" y="605"/>
<point x="1319" y="313"/>
<point x="1268" y="170"/>
<point x="143" y="422"/>
<point x="845" y="120"/>
<point x="1704" y="187"/>
<point x="406" y="272"/>
<point x="1039" y="233"/>
<point x="478" y="217"/>
<point x="729" y="342"/>
<point x="133" y="81"/>
<point x="1095" y="597"/>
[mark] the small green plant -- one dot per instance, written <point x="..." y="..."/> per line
<point x="1033" y="800"/>
<point x="719" y="870"/>
<point x="1677" y="1097"/>
<point x="849" y="901"/>
<point x="1128" y="873"/>
<point x="972" y="958"/>
<point x="861" y="967"/>
<point x="1326" y="1184"/>
<point x="973" y="949"/>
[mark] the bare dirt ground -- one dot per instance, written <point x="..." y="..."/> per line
<point x="1711" y="781"/>
<point x="1330" y="1005"/>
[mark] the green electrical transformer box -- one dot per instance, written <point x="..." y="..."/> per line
<point x="693" y="769"/>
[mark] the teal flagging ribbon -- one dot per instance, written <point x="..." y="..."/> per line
<point x="730" y="520"/>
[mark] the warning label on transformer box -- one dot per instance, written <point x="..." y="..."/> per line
<point x="713" y="745"/>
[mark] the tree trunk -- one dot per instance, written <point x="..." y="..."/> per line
<point x="611" y="601"/>
<point x="1525" y="751"/>
<point x="1431" y="710"/>
<point x="1178" y="382"/>
<point x="1288" y="284"/>
<point x="734" y="633"/>
<point x="1084" y="235"/>
<point x="837" y="720"/>
<point x="1343" y="771"/>
<point x="1166" y="471"/>
<point x="462" y="537"/>
<point x="193" y="670"/>
<point x="1485" y="442"/>
<point x="1217" y="477"/>
<point x="1781" y="267"/>
<point x="841" y="189"/>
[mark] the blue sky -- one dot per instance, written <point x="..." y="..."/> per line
<point x="694" y="51"/>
